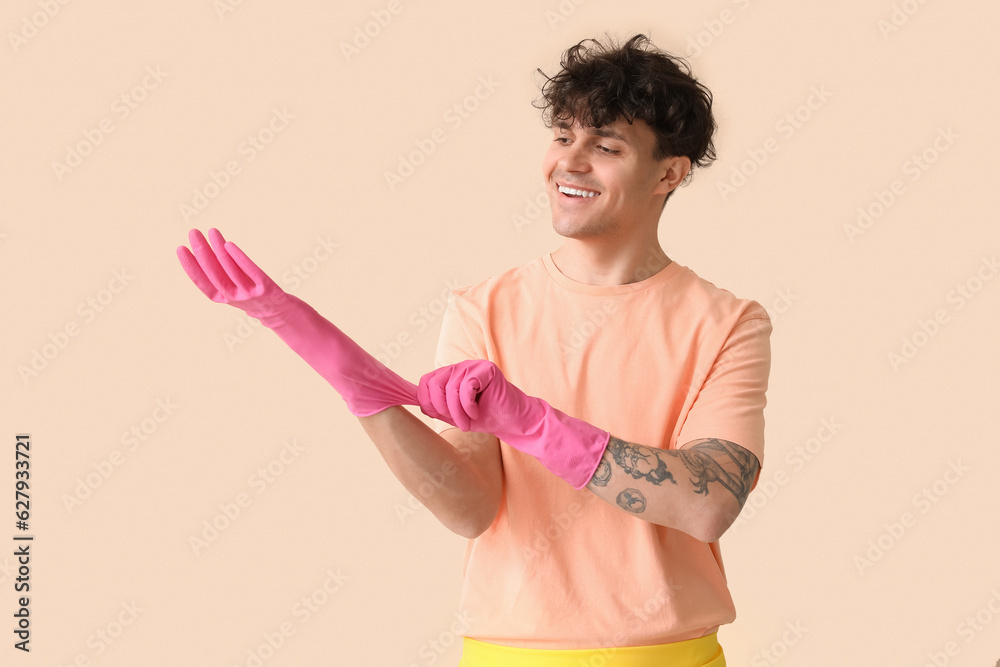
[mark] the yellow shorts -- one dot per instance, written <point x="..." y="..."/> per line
<point x="702" y="652"/>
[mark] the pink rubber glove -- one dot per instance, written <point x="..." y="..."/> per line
<point x="475" y="396"/>
<point x="226" y="275"/>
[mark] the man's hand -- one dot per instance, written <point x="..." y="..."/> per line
<point x="471" y="395"/>
<point x="225" y="275"/>
<point x="475" y="396"/>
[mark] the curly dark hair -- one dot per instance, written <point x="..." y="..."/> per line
<point x="599" y="84"/>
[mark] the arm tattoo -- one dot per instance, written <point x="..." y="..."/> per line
<point x="631" y="500"/>
<point x="703" y="461"/>
<point x="641" y="466"/>
<point x="602" y="475"/>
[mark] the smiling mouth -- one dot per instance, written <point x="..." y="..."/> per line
<point x="578" y="193"/>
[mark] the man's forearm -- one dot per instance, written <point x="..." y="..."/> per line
<point x="459" y="485"/>
<point x="223" y="273"/>
<point x="699" y="489"/>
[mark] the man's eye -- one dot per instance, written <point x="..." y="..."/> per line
<point x="607" y="150"/>
<point x="561" y="139"/>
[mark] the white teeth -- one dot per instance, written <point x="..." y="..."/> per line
<point x="578" y="193"/>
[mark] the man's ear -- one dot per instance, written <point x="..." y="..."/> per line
<point x="674" y="170"/>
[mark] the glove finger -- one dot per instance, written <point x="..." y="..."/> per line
<point x="491" y="399"/>
<point x="232" y="269"/>
<point x="252" y="271"/>
<point x="210" y="263"/>
<point x="430" y="394"/>
<point x="482" y="376"/>
<point x="453" y="395"/>
<point x="191" y="267"/>
<point x="424" y="397"/>
<point x="468" y="395"/>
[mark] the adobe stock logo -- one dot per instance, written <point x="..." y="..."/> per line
<point x="223" y="7"/>
<point x="913" y="168"/>
<point x="901" y="14"/>
<point x="139" y="433"/>
<point x="796" y="459"/>
<point x="75" y="153"/>
<point x="105" y="636"/>
<point x="957" y="297"/>
<point x="968" y="629"/>
<point x="305" y="608"/>
<point x="533" y="209"/>
<point x="779" y="648"/>
<point x="712" y="30"/>
<point x="248" y="150"/>
<point x="230" y="511"/>
<point x="455" y="116"/>
<point x="364" y="34"/>
<point x="924" y="500"/>
<point x="88" y="309"/>
<point x="787" y="126"/>
<point x="561" y="13"/>
<point x="31" y="25"/>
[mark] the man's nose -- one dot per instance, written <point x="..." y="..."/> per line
<point x="574" y="159"/>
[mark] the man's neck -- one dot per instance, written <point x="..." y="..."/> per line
<point x="598" y="263"/>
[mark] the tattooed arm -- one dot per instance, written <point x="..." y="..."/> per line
<point x="699" y="488"/>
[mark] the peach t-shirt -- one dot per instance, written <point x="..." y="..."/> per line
<point x="660" y="362"/>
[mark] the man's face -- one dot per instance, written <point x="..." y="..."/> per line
<point x="615" y="162"/>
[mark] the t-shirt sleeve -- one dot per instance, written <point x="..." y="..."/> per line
<point x="730" y="403"/>
<point x="456" y="343"/>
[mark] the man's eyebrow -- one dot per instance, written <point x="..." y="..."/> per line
<point x="610" y="134"/>
<point x="599" y="131"/>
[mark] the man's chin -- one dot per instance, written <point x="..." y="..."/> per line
<point x="577" y="234"/>
<point x="575" y="230"/>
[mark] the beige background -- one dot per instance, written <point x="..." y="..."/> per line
<point x="887" y="81"/>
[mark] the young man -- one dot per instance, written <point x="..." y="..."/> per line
<point x="603" y="405"/>
<point x="609" y="330"/>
